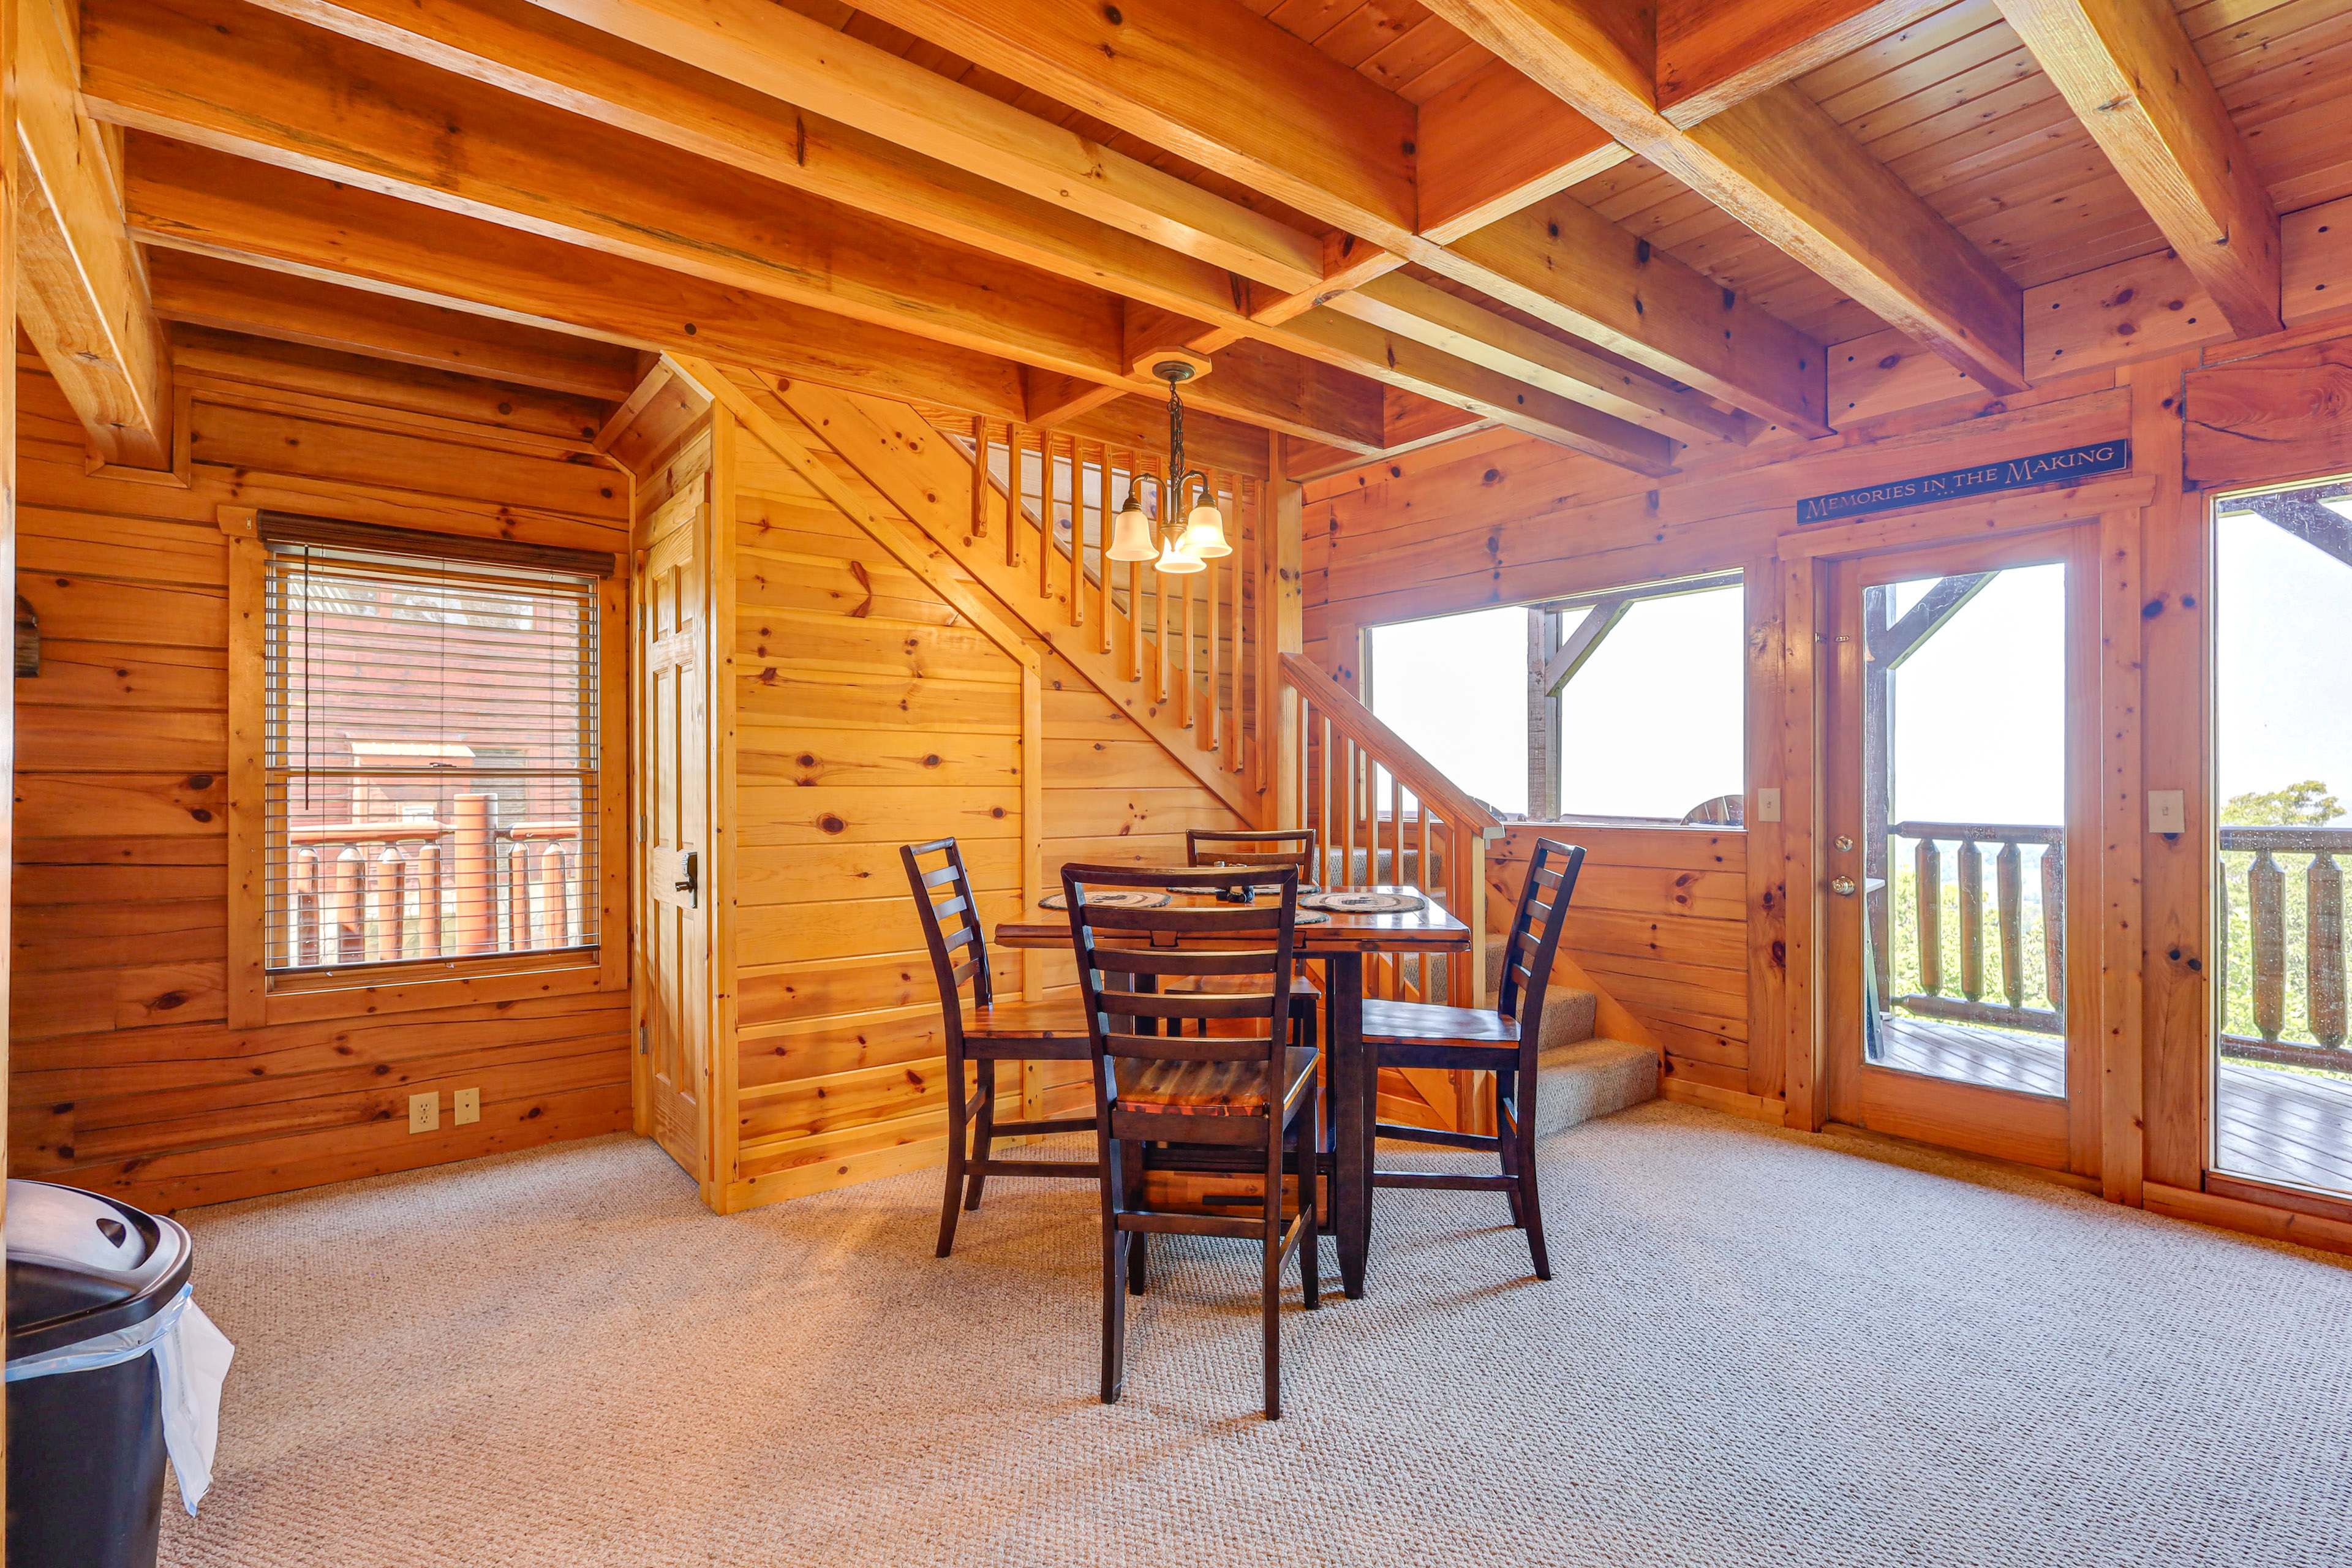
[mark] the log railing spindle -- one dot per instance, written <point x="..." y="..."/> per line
<point x="1971" y="921"/>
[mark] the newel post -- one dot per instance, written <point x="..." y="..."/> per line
<point x="1281" y="579"/>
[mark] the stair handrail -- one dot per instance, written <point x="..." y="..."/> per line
<point x="1388" y="748"/>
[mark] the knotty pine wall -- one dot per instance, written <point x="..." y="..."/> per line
<point x="124" y="1075"/>
<point x="872" y="713"/>
<point x="1691" y="934"/>
<point x="1498" y="523"/>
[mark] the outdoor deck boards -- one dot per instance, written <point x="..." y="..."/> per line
<point x="2275" y="1124"/>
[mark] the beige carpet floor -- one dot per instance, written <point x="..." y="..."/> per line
<point x="1759" y="1350"/>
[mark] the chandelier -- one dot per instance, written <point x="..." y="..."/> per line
<point x="1202" y="536"/>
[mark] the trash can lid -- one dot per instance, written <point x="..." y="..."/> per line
<point x="80" y="1264"/>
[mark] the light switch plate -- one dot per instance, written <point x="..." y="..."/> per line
<point x="2167" y="811"/>
<point x="465" y="1107"/>
<point x="1768" y="805"/>
<point x="424" y="1112"/>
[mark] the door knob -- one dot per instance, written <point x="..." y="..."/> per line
<point x="1842" y="886"/>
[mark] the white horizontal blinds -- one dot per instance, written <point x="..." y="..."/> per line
<point x="431" y="748"/>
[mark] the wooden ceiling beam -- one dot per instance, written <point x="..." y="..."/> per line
<point x="1781" y="165"/>
<point x="83" y="298"/>
<point x="1209" y="80"/>
<point x="555" y="61"/>
<point x="1175" y="73"/>
<point x="2129" y="72"/>
<point x="775" y="51"/>
<point x="1495" y="143"/>
<point x="205" y="292"/>
<point x="1344" y="342"/>
<point x="537" y="55"/>
<point x="190" y="198"/>
<point x="1564" y="263"/>
<point x="1430" y="315"/>
<point x="241" y="81"/>
<point x="1714" y="55"/>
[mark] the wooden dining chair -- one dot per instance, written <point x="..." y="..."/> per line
<point x="989" y="1031"/>
<point x="1294" y="847"/>
<point x="1264" y="848"/>
<point x="1502" y="1042"/>
<point x="1238" y="1096"/>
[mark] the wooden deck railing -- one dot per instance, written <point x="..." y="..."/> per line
<point x="1965" y="997"/>
<point x="1426" y="834"/>
<point x="2250" y="875"/>
<point x="379" y="892"/>
<point x="2250" y="867"/>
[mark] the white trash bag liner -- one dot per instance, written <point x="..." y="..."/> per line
<point x="192" y="1359"/>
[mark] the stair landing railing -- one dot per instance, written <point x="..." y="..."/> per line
<point x="1384" y="815"/>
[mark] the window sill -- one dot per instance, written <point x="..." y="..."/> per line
<point x="365" y="991"/>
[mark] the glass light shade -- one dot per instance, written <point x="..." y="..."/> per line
<point x="1130" y="537"/>
<point x="1204" y="533"/>
<point x="1176" y="558"/>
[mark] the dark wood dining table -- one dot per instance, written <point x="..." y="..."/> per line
<point x="1339" y="944"/>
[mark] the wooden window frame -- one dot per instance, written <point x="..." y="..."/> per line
<point x="257" y="999"/>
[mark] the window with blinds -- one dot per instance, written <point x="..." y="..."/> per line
<point x="431" y="747"/>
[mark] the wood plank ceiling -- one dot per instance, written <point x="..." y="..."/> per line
<point x="1382" y="222"/>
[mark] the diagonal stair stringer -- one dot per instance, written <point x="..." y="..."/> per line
<point x="923" y="473"/>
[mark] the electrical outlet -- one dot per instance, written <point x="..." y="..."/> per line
<point x="466" y="1107"/>
<point x="424" y="1112"/>
<point x="2167" y="811"/>
<point x="1768" y="805"/>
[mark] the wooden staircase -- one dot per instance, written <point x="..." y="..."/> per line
<point x="1010" y="525"/>
<point x="1171" y="652"/>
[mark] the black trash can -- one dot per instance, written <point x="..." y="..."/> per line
<point x="84" y="1447"/>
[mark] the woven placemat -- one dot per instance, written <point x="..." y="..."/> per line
<point x="1109" y="899"/>
<point x="1362" y="902"/>
<point x="1264" y="889"/>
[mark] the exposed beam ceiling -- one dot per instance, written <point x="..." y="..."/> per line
<point x="206" y="292"/>
<point x="1714" y="55"/>
<point x="1209" y="80"/>
<point x="191" y="198"/>
<point x="2129" y="72"/>
<point x="776" y="52"/>
<point x="1779" y="165"/>
<point x="755" y="163"/>
<point x="238" y="79"/>
<point x="1292" y="88"/>
<point x="1430" y="315"/>
<point x="83" y="298"/>
<point x="1495" y="143"/>
<point x="1061" y="220"/>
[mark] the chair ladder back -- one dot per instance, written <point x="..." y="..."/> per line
<point x="1293" y="847"/>
<point x="959" y="954"/>
<point x="1255" y="943"/>
<point x="1535" y="927"/>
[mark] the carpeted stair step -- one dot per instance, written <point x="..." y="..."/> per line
<point x="1583" y="1077"/>
<point x="1568" y="1011"/>
<point x="1591" y="1079"/>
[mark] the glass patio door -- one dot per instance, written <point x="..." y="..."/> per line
<point x="2282" y="1087"/>
<point x="1953" y="797"/>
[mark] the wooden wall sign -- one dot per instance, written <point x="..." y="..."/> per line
<point x="2069" y="465"/>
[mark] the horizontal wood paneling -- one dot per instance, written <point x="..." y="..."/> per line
<point x="124" y="1075"/>
<point x="1658" y="927"/>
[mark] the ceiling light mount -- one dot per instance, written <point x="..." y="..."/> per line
<point x="1178" y="551"/>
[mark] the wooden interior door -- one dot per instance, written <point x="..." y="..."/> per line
<point x="1958" y="849"/>
<point x="674" y="761"/>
